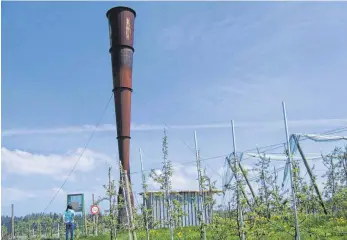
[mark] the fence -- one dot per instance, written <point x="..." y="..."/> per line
<point x="190" y="202"/>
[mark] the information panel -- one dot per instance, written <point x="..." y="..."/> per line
<point x="76" y="201"/>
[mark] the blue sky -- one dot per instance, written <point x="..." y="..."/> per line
<point x="196" y="67"/>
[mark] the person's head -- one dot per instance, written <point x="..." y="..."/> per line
<point x="68" y="207"/>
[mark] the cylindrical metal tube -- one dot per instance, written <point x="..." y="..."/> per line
<point x="121" y="26"/>
<point x="121" y="29"/>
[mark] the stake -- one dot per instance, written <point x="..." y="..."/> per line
<point x="234" y="172"/>
<point x="125" y="198"/>
<point x="167" y="188"/>
<point x="264" y="184"/>
<point x="12" y="225"/>
<point x="144" y="196"/>
<point x="200" y="184"/>
<point x="130" y="212"/>
<point x="311" y="175"/>
<point x="247" y="181"/>
<point x="85" y="222"/>
<point x="239" y="207"/>
<point x="94" y="222"/>
<point x="110" y="202"/>
<point x="297" y="232"/>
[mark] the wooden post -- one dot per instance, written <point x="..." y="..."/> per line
<point x="95" y="216"/>
<point x="125" y="198"/>
<point x="110" y="202"/>
<point x="85" y="225"/>
<point x="12" y="224"/>
<point x="58" y="230"/>
<point x="94" y="222"/>
<point x="145" y="213"/>
<point x="127" y="187"/>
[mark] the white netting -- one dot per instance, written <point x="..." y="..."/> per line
<point x="322" y="138"/>
<point x="280" y="157"/>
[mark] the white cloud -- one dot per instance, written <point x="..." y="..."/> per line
<point x="14" y="194"/>
<point x="54" y="165"/>
<point x="151" y="127"/>
<point x="183" y="178"/>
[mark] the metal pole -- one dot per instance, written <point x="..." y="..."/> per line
<point x="12" y="224"/>
<point x="311" y="175"/>
<point x="233" y="169"/>
<point x="248" y="183"/>
<point x="200" y="183"/>
<point x="58" y="231"/>
<point x="297" y="232"/>
<point x="239" y="207"/>
<point x="144" y="196"/>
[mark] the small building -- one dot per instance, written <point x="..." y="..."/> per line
<point x="190" y="202"/>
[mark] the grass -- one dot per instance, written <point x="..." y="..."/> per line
<point x="192" y="233"/>
<point x="318" y="228"/>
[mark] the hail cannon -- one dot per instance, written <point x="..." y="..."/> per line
<point x="121" y="34"/>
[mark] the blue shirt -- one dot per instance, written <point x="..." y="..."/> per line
<point x="69" y="216"/>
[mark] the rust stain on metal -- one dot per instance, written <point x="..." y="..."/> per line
<point x="121" y="30"/>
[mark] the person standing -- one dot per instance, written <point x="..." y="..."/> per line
<point x="68" y="218"/>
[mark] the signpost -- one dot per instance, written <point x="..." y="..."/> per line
<point x="77" y="203"/>
<point x="94" y="209"/>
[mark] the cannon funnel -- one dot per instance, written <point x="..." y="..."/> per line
<point x="121" y="34"/>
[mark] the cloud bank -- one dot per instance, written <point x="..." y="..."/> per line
<point x="54" y="165"/>
<point x="150" y="127"/>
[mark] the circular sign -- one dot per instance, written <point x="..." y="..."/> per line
<point x="94" y="209"/>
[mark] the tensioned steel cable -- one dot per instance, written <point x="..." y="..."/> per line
<point x="81" y="154"/>
<point x="270" y="148"/>
<point x="333" y="131"/>
<point x="273" y="146"/>
<point x="165" y="124"/>
<point x="340" y="129"/>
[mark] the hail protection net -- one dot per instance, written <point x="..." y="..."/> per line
<point x="294" y="138"/>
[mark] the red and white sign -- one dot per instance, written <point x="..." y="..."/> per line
<point x="94" y="209"/>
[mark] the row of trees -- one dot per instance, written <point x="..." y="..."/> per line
<point x="274" y="206"/>
<point x="267" y="211"/>
<point x="51" y="225"/>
